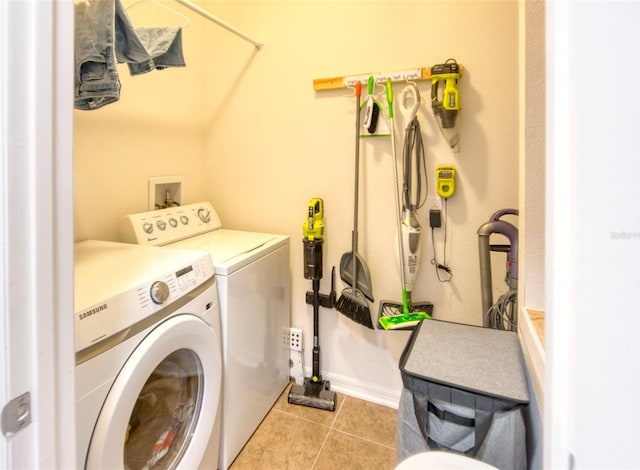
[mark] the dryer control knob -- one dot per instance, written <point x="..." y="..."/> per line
<point x="204" y="215"/>
<point x="159" y="292"/>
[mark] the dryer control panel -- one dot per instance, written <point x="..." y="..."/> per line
<point x="164" y="226"/>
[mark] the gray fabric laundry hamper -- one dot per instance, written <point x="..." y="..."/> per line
<point x="464" y="389"/>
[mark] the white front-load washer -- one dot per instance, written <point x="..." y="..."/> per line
<point x="148" y="357"/>
<point x="253" y="278"/>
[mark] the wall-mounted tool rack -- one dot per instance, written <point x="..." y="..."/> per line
<point x="334" y="83"/>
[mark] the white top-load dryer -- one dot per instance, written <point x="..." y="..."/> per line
<point x="148" y="357"/>
<point x="253" y="278"/>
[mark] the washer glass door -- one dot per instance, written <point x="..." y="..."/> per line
<point x="164" y="416"/>
<point x="162" y="407"/>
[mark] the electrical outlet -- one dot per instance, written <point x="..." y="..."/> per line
<point x="295" y="339"/>
<point x="296" y="366"/>
<point x="435" y="203"/>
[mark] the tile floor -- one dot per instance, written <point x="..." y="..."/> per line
<point x="357" y="435"/>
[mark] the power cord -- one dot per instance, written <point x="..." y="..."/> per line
<point x="441" y="267"/>
<point x="414" y="153"/>
<point x="414" y="150"/>
<point x="503" y="315"/>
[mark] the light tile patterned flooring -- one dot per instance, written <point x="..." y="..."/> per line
<point x="357" y="435"/>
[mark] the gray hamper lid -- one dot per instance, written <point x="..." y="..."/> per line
<point x="470" y="358"/>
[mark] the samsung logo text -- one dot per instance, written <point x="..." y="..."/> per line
<point x="93" y="311"/>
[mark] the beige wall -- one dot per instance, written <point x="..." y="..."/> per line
<point x="247" y="131"/>
<point x="155" y="129"/>
<point x="532" y="154"/>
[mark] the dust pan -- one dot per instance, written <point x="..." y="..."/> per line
<point x="362" y="275"/>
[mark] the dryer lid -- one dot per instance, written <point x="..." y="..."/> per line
<point x="233" y="249"/>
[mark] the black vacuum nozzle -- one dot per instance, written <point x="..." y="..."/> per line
<point x="313" y="394"/>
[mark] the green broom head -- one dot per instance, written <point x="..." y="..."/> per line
<point x="407" y="319"/>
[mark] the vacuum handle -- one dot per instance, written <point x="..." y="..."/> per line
<point x="315" y="375"/>
<point x="316" y="361"/>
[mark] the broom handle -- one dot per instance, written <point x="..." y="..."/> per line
<point x="354" y="234"/>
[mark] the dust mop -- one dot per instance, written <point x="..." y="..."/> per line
<point x="405" y="315"/>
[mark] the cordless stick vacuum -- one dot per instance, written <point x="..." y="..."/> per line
<point x="315" y="392"/>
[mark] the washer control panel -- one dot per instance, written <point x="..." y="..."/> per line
<point x="121" y="285"/>
<point x="164" y="226"/>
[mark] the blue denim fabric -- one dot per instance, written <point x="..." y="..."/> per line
<point x="96" y="76"/>
<point x="128" y="46"/>
<point x="164" y="46"/>
<point x="104" y="36"/>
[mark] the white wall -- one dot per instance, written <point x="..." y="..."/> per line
<point x="531" y="294"/>
<point x="36" y="251"/>
<point x="593" y="250"/>
<point x="268" y="143"/>
<point x="532" y="211"/>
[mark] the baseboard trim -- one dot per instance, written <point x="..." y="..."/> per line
<point x="355" y="388"/>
